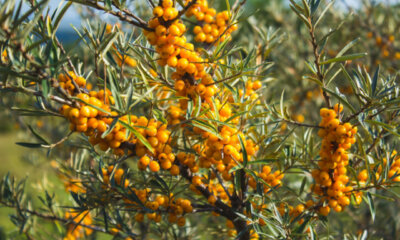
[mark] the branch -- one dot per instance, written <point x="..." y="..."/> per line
<point x="53" y="218"/>
<point x="317" y="63"/>
<point x="137" y="22"/>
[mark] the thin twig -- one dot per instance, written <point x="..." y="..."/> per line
<point x="317" y="63"/>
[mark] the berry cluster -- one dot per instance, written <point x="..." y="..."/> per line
<point x="75" y="231"/>
<point x="158" y="204"/>
<point x="331" y="177"/>
<point x="393" y="173"/>
<point x="213" y="26"/>
<point x="217" y="152"/>
<point x="118" y="176"/>
<point x="222" y="150"/>
<point x="251" y="88"/>
<point x="296" y="211"/>
<point x="273" y="179"/>
<point x="190" y="76"/>
<point x="173" y="208"/>
<point x="70" y="81"/>
<point x="117" y="56"/>
<point x="73" y="185"/>
<point x="233" y="233"/>
<point x="88" y="118"/>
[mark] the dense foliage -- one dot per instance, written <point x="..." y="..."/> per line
<point x="192" y="119"/>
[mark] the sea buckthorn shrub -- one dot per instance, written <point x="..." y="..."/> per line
<point x="199" y="119"/>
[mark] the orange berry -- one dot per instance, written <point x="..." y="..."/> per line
<point x="160" y="30"/>
<point x="208" y="18"/>
<point x="174" y="30"/>
<point x="101" y="126"/>
<point x="169" y="13"/>
<point x="80" y="120"/>
<point x="163" y="136"/>
<point x="200" y="37"/>
<point x="142" y="121"/>
<point x="300" y="208"/>
<point x="341" y="130"/>
<point x="74" y="113"/>
<point x="120" y="136"/>
<point x="182" y="63"/>
<point x="209" y="92"/>
<point x="158" y="11"/>
<point x="200" y="16"/>
<point x="191" y="68"/>
<point x="344" y="201"/>
<point x="151" y="131"/>
<point x="338" y="107"/>
<point x="196" y="180"/>
<point x="145" y="160"/>
<point x="166" y="165"/>
<point x="81" y="127"/>
<point x="333" y="123"/>
<point x="153" y="141"/>
<point x="174" y="170"/>
<point x="84" y="111"/>
<point x="179" y="85"/>
<point x="92" y="123"/>
<point x="80" y="81"/>
<point x="212" y="199"/>
<point x="83" y="97"/>
<point x="115" y="144"/>
<point x="257" y="85"/>
<point x="167" y="3"/>
<point x="172" y="61"/>
<point x="363" y="176"/>
<point x="324" y="211"/>
<point x="139" y="217"/>
<point x="181" y="221"/>
<point x="154" y="166"/>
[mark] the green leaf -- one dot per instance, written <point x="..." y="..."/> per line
<point x="296" y="7"/>
<point x="206" y="127"/>
<point x="303" y="184"/>
<point x="91" y="105"/>
<point x="107" y="43"/>
<point x="344" y="58"/>
<point x="112" y="125"/>
<point x="281" y="103"/>
<point x="114" y="90"/>
<point x="30" y="11"/>
<point x="371" y="205"/>
<point x="60" y="16"/>
<point x="347" y="47"/>
<point x="162" y="182"/>
<point x="307" y="10"/>
<point x="159" y="116"/>
<point x="29" y="145"/>
<point x="244" y="152"/>
<point x="302" y="17"/>
<point x="386" y="126"/>
<point x="33" y="22"/>
<point x="141" y="97"/>
<point x="138" y="136"/>
<point x="341" y="99"/>
<point x="263" y="161"/>
<point x="375" y="81"/>
<point x="37" y="135"/>
<point x="45" y="88"/>
<point x="322" y="13"/>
